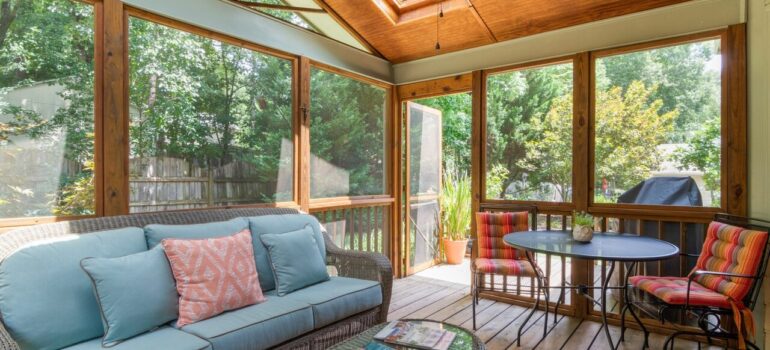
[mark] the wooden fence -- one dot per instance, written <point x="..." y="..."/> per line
<point x="164" y="183"/>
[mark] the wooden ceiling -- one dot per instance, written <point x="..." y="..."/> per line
<point x="405" y="30"/>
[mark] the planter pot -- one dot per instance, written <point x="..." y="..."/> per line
<point x="582" y="233"/>
<point x="455" y="251"/>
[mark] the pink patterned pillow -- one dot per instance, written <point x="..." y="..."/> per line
<point x="213" y="275"/>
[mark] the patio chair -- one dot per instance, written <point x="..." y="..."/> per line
<point x="490" y="256"/>
<point x="724" y="285"/>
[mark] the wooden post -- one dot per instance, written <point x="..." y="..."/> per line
<point x="115" y="145"/>
<point x="303" y="121"/>
<point x="581" y="158"/>
<point x="735" y="121"/>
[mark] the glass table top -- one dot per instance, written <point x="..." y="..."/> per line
<point x="603" y="246"/>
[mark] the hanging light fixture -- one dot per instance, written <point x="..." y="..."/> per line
<point x="440" y="8"/>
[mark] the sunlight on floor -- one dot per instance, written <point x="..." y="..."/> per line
<point x="451" y="273"/>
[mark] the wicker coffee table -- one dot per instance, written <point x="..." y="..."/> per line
<point x="465" y="339"/>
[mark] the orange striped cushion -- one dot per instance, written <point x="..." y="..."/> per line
<point x="673" y="290"/>
<point x="508" y="267"/>
<point x="491" y="227"/>
<point x="730" y="249"/>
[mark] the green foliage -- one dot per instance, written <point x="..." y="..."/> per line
<point x="456" y="210"/>
<point x="582" y="219"/>
<point x="455" y="128"/>
<point x="496" y="180"/>
<point x="703" y="152"/>
<point x="348" y="131"/>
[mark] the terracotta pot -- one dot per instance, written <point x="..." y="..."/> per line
<point x="455" y="250"/>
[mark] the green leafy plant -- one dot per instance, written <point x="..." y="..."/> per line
<point x="456" y="206"/>
<point x="582" y="219"/>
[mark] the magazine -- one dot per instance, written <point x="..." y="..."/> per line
<point x="428" y="335"/>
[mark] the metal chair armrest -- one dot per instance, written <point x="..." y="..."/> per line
<point x="689" y="255"/>
<point x="696" y="273"/>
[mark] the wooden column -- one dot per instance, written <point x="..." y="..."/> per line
<point x="736" y="162"/>
<point x="114" y="123"/>
<point x="396" y="227"/>
<point x="303" y="115"/>
<point x="478" y="98"/>
<point x="581" y="185"/>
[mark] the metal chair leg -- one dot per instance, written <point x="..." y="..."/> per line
<point x="558" y="302"/>
<point x="523" y="324"/>
<point x="474" y="298"/>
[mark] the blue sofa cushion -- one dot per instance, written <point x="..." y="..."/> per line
<point x="162" y="338"/>
<point x="295" y="259"/>
<point x="257" y="326"/>
<point x="156" y="233"/>
<point x="279" y="224"/>
<point x="338" y="298"/>
<point x="46" y="300"/>
<point x="136" y="293"/>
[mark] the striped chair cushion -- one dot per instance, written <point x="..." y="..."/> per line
<point x="508" y="267"/>
<point x="491" y="227"/>
<point x="730" y="249"/>
<point x="673" y="290"/>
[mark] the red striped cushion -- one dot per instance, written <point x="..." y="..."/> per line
<point x="491" y="227"/>
<point x="508" y="267"/>
<point x="730" y="249"/>
<point x="673" y="290"/>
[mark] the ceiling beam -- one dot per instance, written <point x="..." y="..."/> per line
<point x="258" y="5"/>
<point x="478" y="18"/>
<point x="326" y="8"/>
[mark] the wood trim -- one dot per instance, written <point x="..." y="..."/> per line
<point x="478" y="111"/>
<point x="303" y="146"/>
<point x="655" y="44"/>
<point x="581" y="92"/>
<point x="735" y="166"/>
<point x="528" y="65"/>
<point x="397" y="183"/>
<point x="192" y="29"/>
<point x="115" y="111"/>
<point x="351" y="75"/>
<point x="98" y="108"/>
<point x="352" y="203"/>
<point x="444" y="86"/>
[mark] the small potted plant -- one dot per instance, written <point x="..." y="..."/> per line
<point x="582" y="227"/>
<point x="455" y="216"/>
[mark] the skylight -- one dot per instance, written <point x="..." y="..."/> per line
<point x="306" y="14"/>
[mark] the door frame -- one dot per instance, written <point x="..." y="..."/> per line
<point x="456" y="84"/>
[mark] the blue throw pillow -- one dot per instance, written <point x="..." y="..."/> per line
<point x="136" y="293"/>
<point x="157" y="232"/>
<point x="295" y="259"/>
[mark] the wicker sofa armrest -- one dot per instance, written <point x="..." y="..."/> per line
<point x="362" y="265"/>
<point x="6" y="342"/>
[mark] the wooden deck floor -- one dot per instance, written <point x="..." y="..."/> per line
<point x="498" y="323"/>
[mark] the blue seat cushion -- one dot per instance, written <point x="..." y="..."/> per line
<point x="257" y="326"/>
<point x="279" y="224"/>
<point x="136" y="293"/>
<point x="156" y="233"/>
<point x="46" y="300"/>
<point x="161" y="338"/>
<point x="338" y="298"/>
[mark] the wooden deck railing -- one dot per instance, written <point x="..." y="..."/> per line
<point x="365" y="227"/>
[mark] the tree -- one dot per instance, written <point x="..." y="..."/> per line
<point x="455" y="129"/>
<point x="628" y="126"/>
<point x="703" y="153"/>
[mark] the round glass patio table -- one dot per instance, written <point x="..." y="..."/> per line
<point x="464" y="339"/>
<point x="608" y="247"/>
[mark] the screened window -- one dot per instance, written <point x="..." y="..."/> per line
<point x="529" y="134"/>
<point x="658" y="126"/>
<point x="347" y="138"/>
<point x="210" y="123"/>
<point x="47" y="109"/>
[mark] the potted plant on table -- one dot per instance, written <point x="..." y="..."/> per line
<point x="582" y="227"/>
<point x="455" y="216"/>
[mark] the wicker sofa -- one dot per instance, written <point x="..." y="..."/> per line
<point x="348" y="264"/>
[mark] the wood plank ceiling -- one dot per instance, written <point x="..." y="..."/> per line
<point x="405" y="30"/>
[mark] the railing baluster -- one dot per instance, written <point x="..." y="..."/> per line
<point x="660" y="237"/>
<point x="682" y="247"/>
<point x="548" y="222"/>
